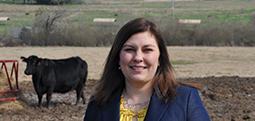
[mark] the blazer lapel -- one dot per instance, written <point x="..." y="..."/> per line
<point x="111" y="110"/>
<point x="156" y="108"/>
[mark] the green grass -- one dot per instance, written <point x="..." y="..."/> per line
<point x="220" y="17"/>
<point x="207" y="11"/>
<point x="2" y="29"/>
<point x="120" y="17"/>
<point x="157" y="5"/>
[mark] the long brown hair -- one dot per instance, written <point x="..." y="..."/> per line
<point x="113" y="79"/>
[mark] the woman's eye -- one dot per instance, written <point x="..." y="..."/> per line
<point x="129" y="49"/>
<point x="146" y="50"/>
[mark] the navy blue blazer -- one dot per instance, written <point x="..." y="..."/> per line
<point x="186" y="106"/>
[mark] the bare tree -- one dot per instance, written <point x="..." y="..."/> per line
<point x="45" y="23"/>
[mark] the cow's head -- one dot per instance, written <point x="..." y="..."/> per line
<point x="32" y="62"/>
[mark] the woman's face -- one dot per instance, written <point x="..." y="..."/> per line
<point x="139" y="57"/>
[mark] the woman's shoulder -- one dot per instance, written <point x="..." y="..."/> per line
<point x="182" y="88"/>
<point x="186" y="93"/>
<point x="189" y="98"/>
<point x="186" y="101"/>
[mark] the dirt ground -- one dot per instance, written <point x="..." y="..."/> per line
<point x="225" y="98"/>
<point x="226" y="74"/>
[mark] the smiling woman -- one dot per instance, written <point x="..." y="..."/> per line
<point x="139" y="58"/>
<point x="138" y="81"/>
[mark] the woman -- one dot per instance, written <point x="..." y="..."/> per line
<point x="138" y="81"/>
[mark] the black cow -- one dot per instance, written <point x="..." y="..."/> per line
<point x="59" y="76"/>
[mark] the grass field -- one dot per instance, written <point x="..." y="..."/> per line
<point x="207" y="11"/>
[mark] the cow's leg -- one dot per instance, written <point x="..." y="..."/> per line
<point x="48" y="97"/>
<point x="39" y="99"/>
<point x="82" y="96"/>
<point x="79" y="93"/>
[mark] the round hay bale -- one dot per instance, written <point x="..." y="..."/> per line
<point x="3" y="81"/>
<point x="4" y="85"/>
<point x="2" y="76"/>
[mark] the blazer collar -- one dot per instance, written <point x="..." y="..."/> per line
<point x="156" y="108"/>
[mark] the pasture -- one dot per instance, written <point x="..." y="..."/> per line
<point x="208" y="11"/>
<point x="225" y="73"/>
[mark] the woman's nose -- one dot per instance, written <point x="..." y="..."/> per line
<point x="138" y="57"/>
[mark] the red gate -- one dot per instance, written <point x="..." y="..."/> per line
<point x="15" y="68"/>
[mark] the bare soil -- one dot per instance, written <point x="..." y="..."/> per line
<point x="226" y="74"/>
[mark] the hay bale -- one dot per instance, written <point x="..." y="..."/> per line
<point x="12" y="105"/>
<point x="4" y="85"/>
<point x="3" y="81"/>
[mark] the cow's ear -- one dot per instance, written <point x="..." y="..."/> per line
<point x="39" y="62"/>
<point x="23" y="58"/>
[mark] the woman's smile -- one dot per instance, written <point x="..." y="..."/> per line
<point x="138" y="68"/>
